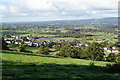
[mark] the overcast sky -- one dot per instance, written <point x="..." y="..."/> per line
<point x="47" y="10"/>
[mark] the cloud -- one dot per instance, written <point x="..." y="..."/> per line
<point x="3" y="8"/>
<point x="43" y="5"/>
<point x="57" y="9"/>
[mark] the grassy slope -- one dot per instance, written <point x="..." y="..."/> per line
<point x="26" y="65"/>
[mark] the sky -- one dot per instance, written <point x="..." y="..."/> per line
<point x="50" y="10"/>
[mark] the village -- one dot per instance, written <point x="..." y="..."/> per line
<point x="37" y="42"/>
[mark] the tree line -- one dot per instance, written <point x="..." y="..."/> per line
<point x="93" y="51"/>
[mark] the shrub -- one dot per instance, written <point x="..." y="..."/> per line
<point x="28" y="51"/>
<point x="22" y="47"/>
<point x="4" y="44"/>
<point x="118" y="60"/>
<point x="112" y="57"/>
<point x="43" y="50"/>
<point x="57" y="47"/>
<point x="91" y="64"/>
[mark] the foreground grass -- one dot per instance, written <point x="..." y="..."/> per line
<point x="31" y="66"/>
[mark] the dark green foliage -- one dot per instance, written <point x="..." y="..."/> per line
<point x="43" y="50"/>
<point x="63" y="49"/>
<point x="110" y="46"/>
<point x="112" y="57"/>
<point x="4" y="44"/>
<point x="72" y="52"/>
<point x="117" y="44"/>
<point x="118" y="60"/>
<point x="74" y="35"/>
<point x="57" y="47"/>
<point x="68" y="51"/>
<point x="95" y="51"/>
<point x="119" y="37"/>
<point x="91" y="64"/>
<point x="25" y="39"/>
<point x="22" y="47"/>
<point x="50" y="45"/>
<point x="104" y="44"/>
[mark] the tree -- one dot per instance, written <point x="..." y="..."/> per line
<point x="50" y="45"/>
<point x="113" y="57"/>
<point x="110" y="46"/>
<point x="43" y="50"/>
<point x="104" y="44"/>
<point x="4" y="44"/>
<point x="118" y="59"/>
<point x="95" y="51"/>
<point x="63" y="49"/>
<point x="22" y="47"/>
<point x="119" y="37"/>
<point x="57" y="47"/>
<point x="74" y="52"/>
<point x="117" y="44"/>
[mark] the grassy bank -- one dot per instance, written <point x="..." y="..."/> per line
<point x="31" y="66"/>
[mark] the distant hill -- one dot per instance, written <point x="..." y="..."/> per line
<point x="103" y="22"/>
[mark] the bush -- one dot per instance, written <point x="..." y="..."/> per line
<point x="91" y="64"/>
<point x="4" y="44"/>
<point x="112" y="57"/>
<point x="57" y="47"/>
<point x="28" y="51"/>
<point x="21" y="47"/>
<point x="118" y="60"/>
<point x="43" y="50"/>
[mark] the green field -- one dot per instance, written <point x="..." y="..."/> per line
<point x="99" y="38"/>
<point x="19" y="65"/>
<point x="33" y="49"/>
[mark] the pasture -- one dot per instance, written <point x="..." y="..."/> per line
<point x="20" y="65"/>
<point x="100" y="37"/>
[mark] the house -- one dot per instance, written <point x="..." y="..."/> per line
<point x="18" y="37"/>
<point x="79" y="44"/>
<point x="18" y="41"/>
<point x="36" y="44"/>
<point x="13" y="36"/>
<point x="86" y="45"/>
<point x="116" y="48"/>
<point x="113" y="50"/>
<point x="8" y="41"/>
<point x="28" y="43"/>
